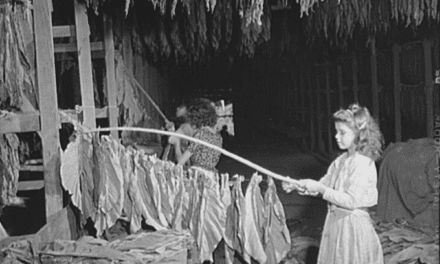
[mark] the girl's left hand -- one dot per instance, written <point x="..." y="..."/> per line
<point x="312" y="186"/>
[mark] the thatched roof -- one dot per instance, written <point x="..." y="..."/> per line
<point x="192" y="30"/>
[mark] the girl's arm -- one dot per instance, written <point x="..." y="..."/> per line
<point x="178" y="150"/>
<point x="360" y="188"/>
<point x="326" y="179"/>
<point x="183" y="158"/>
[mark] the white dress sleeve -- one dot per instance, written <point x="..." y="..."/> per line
<point x="359" y="188"/>
<point x="327" y="178"/>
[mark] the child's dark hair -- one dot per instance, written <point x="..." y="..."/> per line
<point x="202" y="113"/>
<point x="368" y="139"/>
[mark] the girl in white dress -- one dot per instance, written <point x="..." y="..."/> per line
<point x="350" y="188"/>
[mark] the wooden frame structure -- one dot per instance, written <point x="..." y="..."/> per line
<point x="48" y="119"/>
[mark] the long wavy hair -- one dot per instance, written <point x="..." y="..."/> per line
<point x="202" y="113"/>
<point x="369" y="139"/>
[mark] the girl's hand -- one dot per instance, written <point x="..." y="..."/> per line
<point x="288" y="186"/>
<point x="169" y="126"/>
<point x="312" y="186"/>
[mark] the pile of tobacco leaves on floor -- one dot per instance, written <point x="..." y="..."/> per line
<point x="403" y="242"/>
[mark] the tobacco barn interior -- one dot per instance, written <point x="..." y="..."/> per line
<point x="89" y="90"/>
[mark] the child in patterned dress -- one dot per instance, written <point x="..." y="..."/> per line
<point x="201" y="118"/>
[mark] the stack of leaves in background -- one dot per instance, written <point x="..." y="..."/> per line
<point x="406" y="242"/>
<point x="402" y="242"/>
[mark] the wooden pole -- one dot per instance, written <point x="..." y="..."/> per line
<point x="329" y="109"/>
<point x="85" y="64"/>
<point x="397" y="93"/>
<point x="110" y="79"/>
<point x="49" y="116"/>
<point x="319" y="111"/>
<point x="340" y="86"/>
<point x="429" y="88"/>
<point x="311" y="112"/>
<point x="374" y="80"/>
<point x="303" y="97"/>
<point x="355" y="79"/>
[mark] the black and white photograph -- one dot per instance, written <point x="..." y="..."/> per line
<point x="219" y="131"/>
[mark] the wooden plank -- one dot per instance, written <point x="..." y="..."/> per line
<point x="319" y="111"/>
<point x="30" y="185"/>
<point x="303" y="97"/>
<point x="298" y="99"/>
<point x="31" y="168"/>
<point x="110" y="76"/>
<point x="72" y="47"/>
<point x="328" y="110"/>
<point x="397" y="93"/>
<point x="340" y="86"/>
<point x="312" y="126"/>
<point x="63" y="31"/>
<point x="99" y="113"/>
<point x="85" y="64"/>
<point x="374" y="80"/>
<point x="429" y="88"/>
<point x="20" y="122"/>
<point x="48" y="106"/>
<point x="96" y="54"/>
<point x="355" y="78"/>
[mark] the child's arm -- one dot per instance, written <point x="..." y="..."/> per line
<point x="361" y="190"/>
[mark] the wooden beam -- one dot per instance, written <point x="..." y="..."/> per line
<point x="340" y="86"/>
<point x="20" y="122"/>
<point x="99" y="113"/>
<point x="397" y="93"/>
<point x="48" y="106"/>
<point x="319" y="110"/>
<point x="30" y="185"/>
<point x="63" y="31"/>
<point x="303" y="97"/>
<point x="328" y="110"/>
<point x="110" y="75"/>
<point x="429" y="88"/>
<point x="312" y="126"/>
<point x="32" y="168"/>
<point x="374" y="80"/>
<point x="85" y="64"/>
<point x="73" y="47"/>
<point x="355" y="78"/>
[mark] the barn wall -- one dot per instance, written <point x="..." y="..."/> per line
<point x="142" y="78"/>
<point x="304" y="95"/>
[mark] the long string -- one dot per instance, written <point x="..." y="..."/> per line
<point x="223" y="151"/>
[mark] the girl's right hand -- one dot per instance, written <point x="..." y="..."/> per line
<point x="290" y="186"/>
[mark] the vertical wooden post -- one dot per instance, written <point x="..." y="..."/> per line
<point x="429" y="88"/>
<point x="319" y="111"/>
<point x="49" y="117"/>
<point x="355" y="78"/>
<point x="374" y="80"/>
<point x="311" y="112"/>
<point x="340" y="86"/>
<point x="85" y="64"/>
<point x="110" y="79"/>
<point x="329" y="109"/>
<point x="303" y="103"/>
<point x="397" y="93"/>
